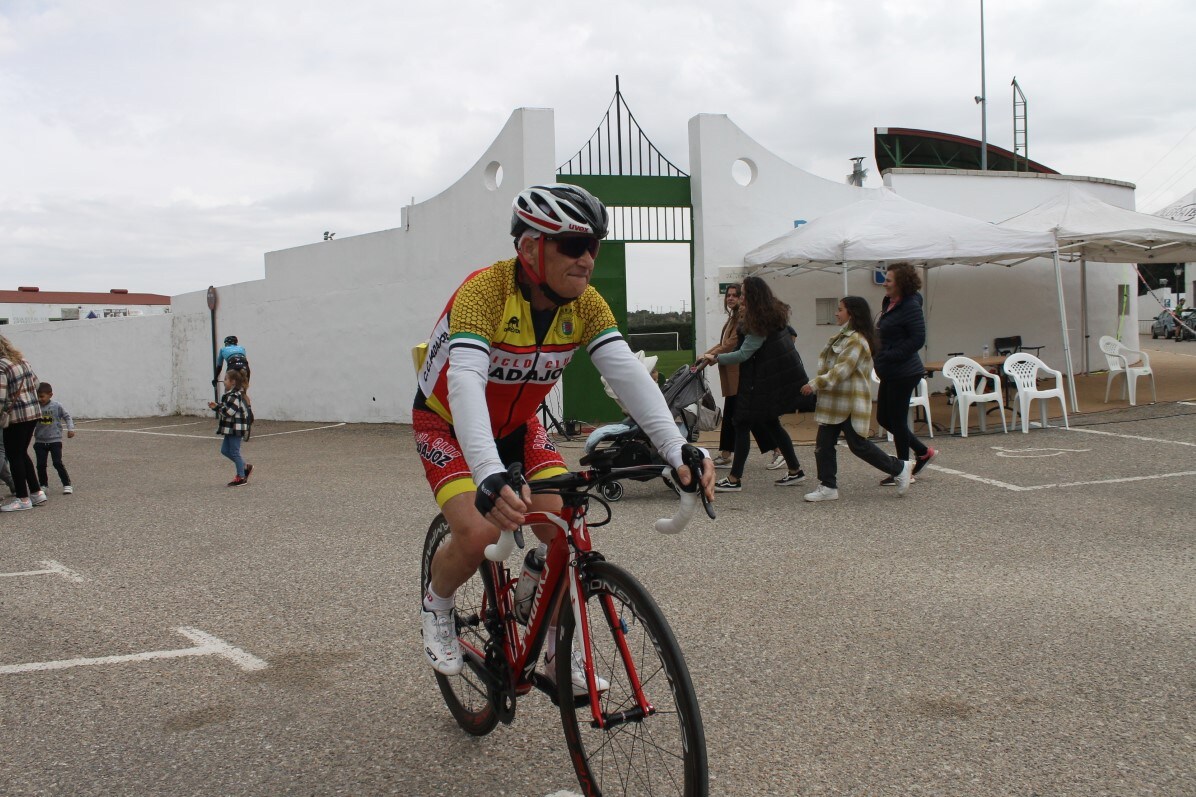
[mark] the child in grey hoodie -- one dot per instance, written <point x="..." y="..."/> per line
<point x="47" y="437"/>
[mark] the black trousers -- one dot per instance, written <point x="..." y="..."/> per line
<point x="16" y="448"/>
<point x="54" y="450"/>
<point x="775" y="431"/>
<point x="892" y="413"/>
<point x="828" y="463"/>
<point x="726" y="435"/>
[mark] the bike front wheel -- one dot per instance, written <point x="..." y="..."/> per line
<point x="464" y="694"/>
<point x="662" y="753"/>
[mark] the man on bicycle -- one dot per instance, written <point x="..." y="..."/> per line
<point x="496" y="351"/>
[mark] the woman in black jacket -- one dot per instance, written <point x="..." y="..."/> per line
<point x="770" y="376"/>
<point x="902" y="331"/>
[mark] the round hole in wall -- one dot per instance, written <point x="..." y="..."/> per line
<point x="493" y="175"/>
<point x="744" y="171"/>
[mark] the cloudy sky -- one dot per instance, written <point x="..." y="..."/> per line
<point x="165" y="146"/>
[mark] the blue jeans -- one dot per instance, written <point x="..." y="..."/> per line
<point x="231" y="448"/>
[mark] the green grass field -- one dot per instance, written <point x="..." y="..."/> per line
<point x="669" y="361"/>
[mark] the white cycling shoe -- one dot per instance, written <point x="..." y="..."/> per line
<point x="441" y="645"/>
<point x="577" y="674"/>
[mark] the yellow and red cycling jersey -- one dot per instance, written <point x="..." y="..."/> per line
<point x="488" y="312"/>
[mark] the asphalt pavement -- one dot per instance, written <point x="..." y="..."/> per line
<point x="1023" y="622"/>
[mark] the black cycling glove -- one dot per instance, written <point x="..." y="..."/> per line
<point x="488" y="491"/>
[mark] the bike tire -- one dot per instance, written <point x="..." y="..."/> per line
<point x="662" y="754"/>
<point x="464" y="694"/>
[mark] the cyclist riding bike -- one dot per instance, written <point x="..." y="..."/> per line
<point x="232" y="354"/>
<point x="498" y="348"/>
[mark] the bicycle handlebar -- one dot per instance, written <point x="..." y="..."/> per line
<point x="583" y="481"/>
<point x="499" y="551"/>
<point x="684" y="514"/>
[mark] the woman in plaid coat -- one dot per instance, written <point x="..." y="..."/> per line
<point x="19" y="407"/>
<point x="234" y="418"/>
<point x="845" y="401"/>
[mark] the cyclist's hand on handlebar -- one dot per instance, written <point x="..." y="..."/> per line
<point x="500" y="504"/>
<point x="690" y="454"/>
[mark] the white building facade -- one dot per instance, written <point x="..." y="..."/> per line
<point x="330" y="327"/>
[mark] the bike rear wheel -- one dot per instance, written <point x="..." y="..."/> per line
<point x="663" y="753"/>
<point x="464" y="694"/>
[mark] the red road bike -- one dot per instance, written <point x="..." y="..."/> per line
<point x="641" y="736"/>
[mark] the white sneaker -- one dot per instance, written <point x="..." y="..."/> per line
<point x="577" y="674"/>
<point x="17" y="505"/>
<point x="38" y="498"/>
<point x="777" y="463"/>
<point x="902" y="479"/>
<point x="823" y="493"/>
<point x="68" y="490"/>
<point x="441" y="645"/>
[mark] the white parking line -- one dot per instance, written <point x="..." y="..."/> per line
<point x="52" y="568"/>
<point x="1134" y="437"/>
<point x="297" y="431"/>
<point x="207" y="645"/>
<point x="208" y="436"/>
<point x="158" y="434"/>
<point x="167" y="426"/>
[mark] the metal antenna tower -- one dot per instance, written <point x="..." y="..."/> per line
<point x="1021" y="136"/>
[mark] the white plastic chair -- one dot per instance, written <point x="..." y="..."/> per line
<point x="1129" y="362"/>
<point x="964" y="373"/>
<point x="920" y="398"/>
<point x="1024" y="370"/>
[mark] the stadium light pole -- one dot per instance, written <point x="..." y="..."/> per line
<point x="983" y="99"/>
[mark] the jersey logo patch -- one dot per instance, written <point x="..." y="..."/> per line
<point x="512" y="325"/>
<point x="567" y="328"/>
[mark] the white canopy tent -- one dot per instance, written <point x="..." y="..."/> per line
<point x="1090" y="229"/>
<point x="887" y="228"/>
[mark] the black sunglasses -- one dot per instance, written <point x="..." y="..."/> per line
<point x="576" y="245"/>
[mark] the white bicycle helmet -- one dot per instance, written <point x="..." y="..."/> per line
<point x="558" y="209"/>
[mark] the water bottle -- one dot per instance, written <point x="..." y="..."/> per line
<point x="525" y="590"/>
<point x="984" y="351"/>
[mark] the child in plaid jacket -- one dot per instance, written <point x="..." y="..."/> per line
<point x="234" y="421"/>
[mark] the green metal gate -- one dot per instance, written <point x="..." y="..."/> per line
<point x="649" y="201"/>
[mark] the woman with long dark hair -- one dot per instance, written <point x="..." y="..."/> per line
<point x="770" y="373"/>
<point x="902" y="331"/>
<point x="730" y="339"/>
<point x="21" y="410"/>
<point x="845" y="401"/>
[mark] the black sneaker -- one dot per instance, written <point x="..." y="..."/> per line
<point x="791" y="478"/>
<point x="890" y="481"/>
<point x="727" y="486"/>
<point x="924" y="460"/>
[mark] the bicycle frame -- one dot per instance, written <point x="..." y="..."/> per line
<point x="563" y="566"/>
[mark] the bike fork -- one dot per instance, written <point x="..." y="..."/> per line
<point x="615" y="623"/>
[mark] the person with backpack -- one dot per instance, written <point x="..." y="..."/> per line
<point x="235" y="421"/>
<point x="233" y="355"/>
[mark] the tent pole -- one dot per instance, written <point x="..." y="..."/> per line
<point x="1071" y="374"/>
<point x="845" y="291"/>
<point x="1084" y="314"/>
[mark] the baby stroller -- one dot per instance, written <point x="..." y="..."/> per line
<point x="624" y="445"/>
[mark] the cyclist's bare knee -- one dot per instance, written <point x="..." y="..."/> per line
<point x="460" y="556"/>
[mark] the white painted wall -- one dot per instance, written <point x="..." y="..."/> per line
<point x="330" y="328"/>
<point x="731" y="219"/>
<point x="107" y="367"/>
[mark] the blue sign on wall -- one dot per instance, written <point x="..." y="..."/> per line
<point x="878" y="276"/>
